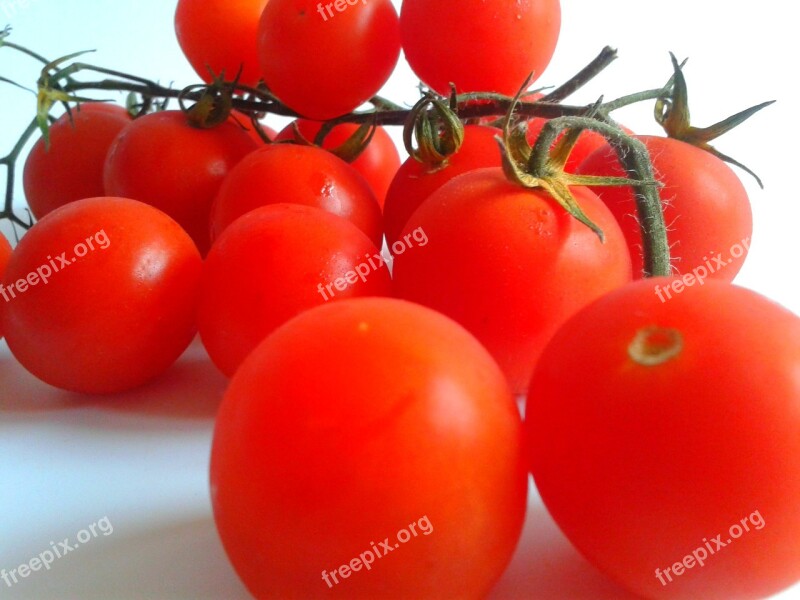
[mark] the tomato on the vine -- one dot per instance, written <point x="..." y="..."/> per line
<point x="5" y="256"/>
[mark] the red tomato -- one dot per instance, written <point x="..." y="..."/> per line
<point x="480" y="46"/>
<point x="326" y="59"/>
<point x="72" y="167"/>
<point x="5" y="256"/>
<point x="220" y="35"/>
<point x="101" y="295"/>
<point x="706" y="207"/>
<point x="357" y="422"/>
<point x="414" y="181"/>
<point x="509" y="264"/>
<point x="655" y="426"/>
<point x="274" y="263"/>
<point x="378" y="163"/>
<point x="286" y="173"/>
<point x="161" y="160"/>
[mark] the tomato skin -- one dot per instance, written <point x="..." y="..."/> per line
<point x="516" y="267"/>
<point x="117" y="317"/>
<point x="5" y="256"/>
<point x="160" y="160"/>
<point x="414" y="182"/>
<point x="705" y="205"/>
<point x="321" y="66"/>
<point x="72" y="168"/>
<point x="270" y="265"/>
<point x="287" y="173"/>
<point x="362" y="395"/>
<point x="220" y="35"/>
<point x="678" y="452"/>
<point x="378" y="163"/>
<point x="444" y="44"/>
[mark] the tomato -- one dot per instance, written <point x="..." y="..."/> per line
<point x="415" y="181"/>
<point x="161" y="160"/>
<point x="72" y="167"/>
<point x="378" y="163"/>
<point x="5" y="256"/>
<point x="326" y="59"/>
<point x="480" y="46"/>
<point x="297" y="175"/>
<point x="221" y="36"/>
<point x="515" y="267"/>
<point x="244" y="122"/>
<point x="272" y="264"/>
<point x="654" y="426"/>
<point x="706" y="207"/>
<point x="350" y="423"/>
<point x="101" y="295"/>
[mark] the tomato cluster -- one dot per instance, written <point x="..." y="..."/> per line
<point x="369" y="388"/>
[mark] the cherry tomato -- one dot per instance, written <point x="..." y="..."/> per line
<point x="272" y="264"/>
<point x="5" y="256"/>
<point x="655" y="426"/>
<point x="415" y="181"/>
<point x="294" y="174"/>
<point x="378" y="163"/>
<point x="326" y="59"/>
<point x="706" y="207"/>
<point x="480" y="46"/>
<point x="221" y="36"/>
<point x="348" y="425"/>
<point x="72" y="167"/>
<point x="101" y="295"/>
<point x="515" y="267"/>
<point x="161" y="160"/>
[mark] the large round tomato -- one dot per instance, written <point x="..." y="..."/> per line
<point x="5" y="256"/>
<point x="220" y="36"/>
<point x="706" y="207"/>
<point x="509" y="264"/>
<point x="272" y="264"/>
<point x="664" y="438"/>
<point x="163" y="161"/>
<point x="378" y="163"/>
<point x="101" y="295"/>
<point x="72" y="167"/>
<point x="478" y="45"/>
<point x="298" y="175"/>
<point x="325" y="59"/>
<point x="369" y="448"/>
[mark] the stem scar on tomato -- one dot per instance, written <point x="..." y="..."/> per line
<point x="653" y="346"/>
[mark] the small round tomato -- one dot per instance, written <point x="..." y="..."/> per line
<point x="479" y="46"/>
<point x="288" y="173"/>
<point x="664" y="438"/>
<point x="274" y="263"/>
<point x="101" y="295"/>
<point x="72" y="167"/>
<point x="161" y="160"/>
<point x="5" y="256"/>
<point x="706" y="207"/>
<point x="378" y="163"/>
<point x="326" y="59"/>
<point x="352" y="425"/>
<point x="509" y="263"/>
<point x="220" y="36"/>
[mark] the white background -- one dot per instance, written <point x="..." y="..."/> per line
<point x="141" y="458"/>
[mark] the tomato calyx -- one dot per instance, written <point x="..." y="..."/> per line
<point x="349" y="150"/>
<point x="433" y="131"/>
<point x="653" y="346"/>
<point x="672" y="113"/>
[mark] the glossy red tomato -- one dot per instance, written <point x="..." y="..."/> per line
<point x="325" y="59"/>
<point x="274" y="263"/>
<point x="101" y="295"/>
<point x="378" y="163"/>
<point x="515" y="267"/>
<point x="220" y="35"/>
<point x="72" y="167"/>
<point x="287" y="173"/>
<point x="706" y="207"/>
<point x="348" y="427"/>
<point x="415" y="181"/>
<point x="5" y="256"/>
<point x="163" y="161"/>
<point x="663" y="438"/>
<point x="480" y="46"/>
